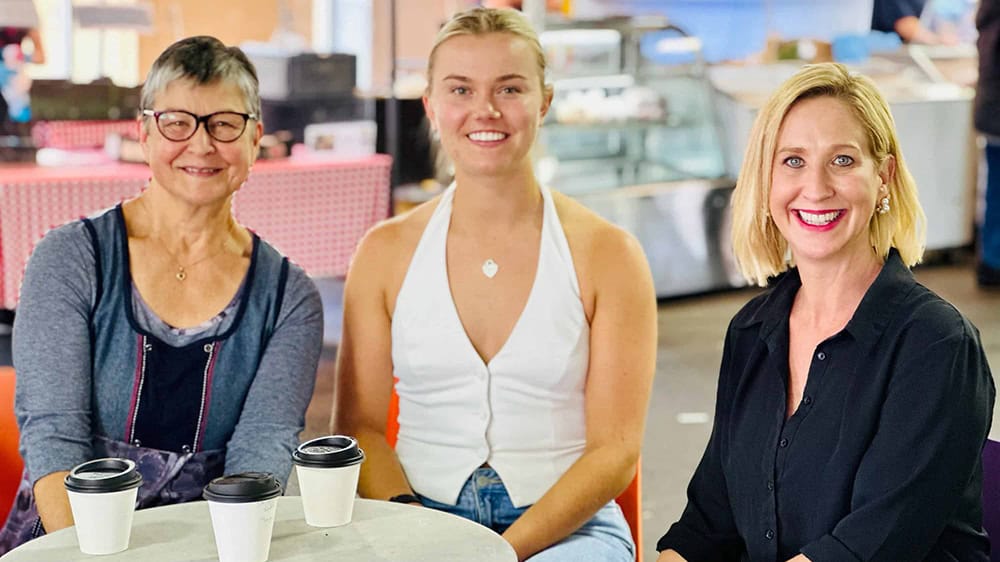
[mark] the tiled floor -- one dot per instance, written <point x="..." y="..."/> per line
<point x="691" y="332"/>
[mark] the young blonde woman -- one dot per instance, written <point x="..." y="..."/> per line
<point x="853" y="402"/>
<point x="520" y="326"/>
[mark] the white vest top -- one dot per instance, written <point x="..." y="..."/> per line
<point x="524" y="411"/>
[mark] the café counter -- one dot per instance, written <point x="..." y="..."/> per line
<point x="313" y="210"/>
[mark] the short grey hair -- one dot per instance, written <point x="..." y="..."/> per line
<point x="203" y="60"/>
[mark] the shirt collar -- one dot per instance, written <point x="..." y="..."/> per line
<point x="872" y="316"/>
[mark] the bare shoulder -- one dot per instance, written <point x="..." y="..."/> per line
<point x="592" y="238"/>
<point x="385" y="251"/>
<point x="607" y="258"/>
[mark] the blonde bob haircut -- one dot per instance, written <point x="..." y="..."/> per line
<point x="483" y="21"/>
<point x="761" y="250"/>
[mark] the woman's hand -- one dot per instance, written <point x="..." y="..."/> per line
<point x="53" y="502"/>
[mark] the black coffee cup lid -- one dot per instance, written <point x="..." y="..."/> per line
<point x="332" y="451"/>
<point x="244" y="487"/>
<point x="102" y="476"/>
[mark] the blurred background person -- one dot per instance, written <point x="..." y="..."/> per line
<point x="987" y="120"/>
<point x="18" y="28"/>
<point x="906" y="19"/>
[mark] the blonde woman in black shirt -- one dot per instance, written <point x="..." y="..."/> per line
<point x="853" y="402"/>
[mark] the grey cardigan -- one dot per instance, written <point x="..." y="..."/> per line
<point x="75" y="353"/>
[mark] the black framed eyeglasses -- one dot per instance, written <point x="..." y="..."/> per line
<point x="178" y="125"/>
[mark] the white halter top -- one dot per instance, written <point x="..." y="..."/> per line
<point x="524" y="411"/>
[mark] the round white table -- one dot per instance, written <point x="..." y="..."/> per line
<point x="379" y="531"/>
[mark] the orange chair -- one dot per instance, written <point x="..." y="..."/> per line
<point x="10" y="459"/>
<point x="630" y="500"/>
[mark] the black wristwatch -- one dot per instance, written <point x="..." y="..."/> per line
<point x="405" y="498"/>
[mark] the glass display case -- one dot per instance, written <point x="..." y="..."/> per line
<point x="633" y="134"/>
<point x="631" y="106"/>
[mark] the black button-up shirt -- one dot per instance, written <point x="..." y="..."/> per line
<point x="881" y="459"/>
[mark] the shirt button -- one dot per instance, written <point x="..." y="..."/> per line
<point x="783" y="443"/>
<point x="807" y="400"/>
<point x="769" y="534"/>
<point x="208" y="348"/>
<point x="821" y="356"/>
<point x="770" y="485"/>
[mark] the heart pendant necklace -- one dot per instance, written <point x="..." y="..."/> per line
<point x="490" y="268"/>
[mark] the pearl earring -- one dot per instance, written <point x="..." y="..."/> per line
<point x="883" y="206"/>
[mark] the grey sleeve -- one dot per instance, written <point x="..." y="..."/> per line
<point x="52" y="356"/>
<point x="274" y="412"/>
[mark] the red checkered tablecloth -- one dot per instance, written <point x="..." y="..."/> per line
<point x="80" y="134"/>
<point x="315" y="212"/>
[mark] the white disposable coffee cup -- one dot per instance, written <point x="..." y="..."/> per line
<point x="242" y="507"/>
<point x="328" y="470"/>
<point x="102" y="497"/>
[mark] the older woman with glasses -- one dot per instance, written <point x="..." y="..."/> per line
<point x="162" y="330"/>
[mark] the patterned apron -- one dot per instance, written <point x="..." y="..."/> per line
<point x="167" y="478"/>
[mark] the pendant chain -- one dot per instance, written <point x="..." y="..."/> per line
<point x="182" y="269"/>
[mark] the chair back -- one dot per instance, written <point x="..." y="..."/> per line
<point x="991" y="495"/>
<point x="630" y="501"/>
<point x="10" y="459"/>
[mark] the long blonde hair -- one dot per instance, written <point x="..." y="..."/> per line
<point x="760" y="249"/>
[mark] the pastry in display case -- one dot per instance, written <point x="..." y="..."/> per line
<point x="632" y="134"/>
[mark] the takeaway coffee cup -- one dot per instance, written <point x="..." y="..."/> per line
<point x="328" y="469"/>
<point x="242" y="507"/>
<point x="102" y="496"/>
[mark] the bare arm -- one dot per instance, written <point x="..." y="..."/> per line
<point x="52" y="502"/>
<point x="911" y="30"/>
<point x="364" y="376"/>
<point x="622" y="364"/>
<point x="38" y="56"/>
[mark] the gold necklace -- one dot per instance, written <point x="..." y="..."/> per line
<point x="181" y="274"/>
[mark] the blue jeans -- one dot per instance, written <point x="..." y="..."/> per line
<point x="484" y="499"/>
<point x="990" y="232"/>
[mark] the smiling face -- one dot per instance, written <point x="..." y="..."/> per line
<point x="486" y="100"/>
<point x="200" y="170"/>
<point x="825" y="183"/>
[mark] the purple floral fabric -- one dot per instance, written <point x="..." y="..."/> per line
<point x="167" y="478"/>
